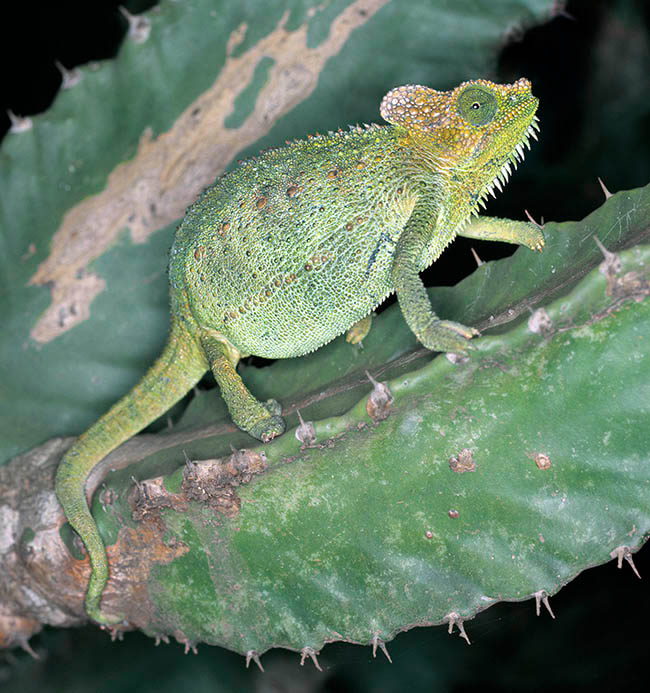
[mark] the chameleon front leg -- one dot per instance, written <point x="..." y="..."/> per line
<point x="507" y="230"/>
<point x="260" y="420"/>
<point x="433" y="333"/>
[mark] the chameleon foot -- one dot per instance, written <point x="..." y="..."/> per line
<point x="534" y="239"/>
<point x="445" y="335"/>
<point x="359" y="331"/>
<point x="271" y="426"/>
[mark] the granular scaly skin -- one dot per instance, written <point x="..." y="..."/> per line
<point x="298" y="242"/>
<point x="294" y="247"/>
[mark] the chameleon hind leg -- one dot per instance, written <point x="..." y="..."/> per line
<point x="261" y="420"/>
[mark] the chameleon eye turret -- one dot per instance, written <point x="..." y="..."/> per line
<point x="477" y="105"/>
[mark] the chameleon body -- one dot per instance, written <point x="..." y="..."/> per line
<point x="298" y="245"/>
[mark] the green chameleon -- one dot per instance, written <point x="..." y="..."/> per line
<point x="298" y="245"/>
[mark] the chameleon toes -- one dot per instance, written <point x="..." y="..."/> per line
<point x="537" y="242"/>
<point x="445" y="335"/>
<point x="267" y="429"/>
<point x="269" y="426"/>
<point x="529" y="236"/>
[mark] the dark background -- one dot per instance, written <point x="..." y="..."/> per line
<point x="590" y="67"/>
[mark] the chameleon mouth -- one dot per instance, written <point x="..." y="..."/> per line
<point x="516" y="156"/>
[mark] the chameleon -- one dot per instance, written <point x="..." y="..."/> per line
<point x="301" y="243"/>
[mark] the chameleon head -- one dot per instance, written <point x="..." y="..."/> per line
<point x="479" y="125"/>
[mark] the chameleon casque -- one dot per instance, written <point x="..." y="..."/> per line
<point x="295" y="246"/>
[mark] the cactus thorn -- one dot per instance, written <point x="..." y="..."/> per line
<point x="607" y="254"/>
<point x="455" y="358"/>
<point x="542" y="598"/>
<point x="305" y="433"/>
<point x="624" y="552"/>
<point x="70" y="77"/>
<point x="309" y="652"/>
<point x="559" y="10"/>
<point x="373" y="382"/>
<point x="454" y="619"/>
<point x="252" y="655"/>
<point x="377" y="641"/>
<point x="604" y="189"/>
<point x="540" y="322"/>
<point x="139" y="26"/>
<point x="19" y="123"/>
<point x="188" y="462"/>
<point x="478" y="260"/>
<point x="532" y="221"/>
<point x="379" y="400"/>
<point x="611" y="265"/>
<point x="24" y="643"/>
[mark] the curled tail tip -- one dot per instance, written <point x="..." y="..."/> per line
<point x="100" y="617"/>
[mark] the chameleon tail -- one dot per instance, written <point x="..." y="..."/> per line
<point x="176" y="371"/>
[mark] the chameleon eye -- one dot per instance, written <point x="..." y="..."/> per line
<point x="477" y="105"/>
